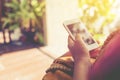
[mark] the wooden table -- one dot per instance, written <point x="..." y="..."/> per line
<point x="27" y="64"/>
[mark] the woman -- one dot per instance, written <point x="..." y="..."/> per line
<point x="107" y="65"/>
<point x="79" y="67"/>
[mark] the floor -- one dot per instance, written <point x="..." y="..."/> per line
<point x="29" y="64"/>
<point x="25" y="61"/>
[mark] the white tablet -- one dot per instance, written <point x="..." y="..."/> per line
<point x="76" y="26"/>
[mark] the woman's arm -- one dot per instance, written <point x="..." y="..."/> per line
<point x="81" y="70"/>
<point x="81" y="58"/>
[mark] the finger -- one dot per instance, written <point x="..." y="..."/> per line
<point x="79" y="41"/>
<point x="70" y="42"/>
<point x="78" y="38"/>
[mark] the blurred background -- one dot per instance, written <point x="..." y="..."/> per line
<point x="27" y="24"/>
<point x="21" y="23"/>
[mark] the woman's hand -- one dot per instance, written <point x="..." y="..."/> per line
<point x="78" y="48"/>
<point x="81" y="58"/>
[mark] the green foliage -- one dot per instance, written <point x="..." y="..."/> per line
<point x="40" y="39"/>
<point x="22" y="11"/>
<point x="96" y="14"/>
<point x="38" y="11"/>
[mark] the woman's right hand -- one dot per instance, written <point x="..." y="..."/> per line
<point x="78" y="48"/>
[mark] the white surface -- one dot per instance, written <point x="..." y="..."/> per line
<point x="57" y="11"/>
<point x="53" y="51"/>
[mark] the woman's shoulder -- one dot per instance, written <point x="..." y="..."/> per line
<point x="107" y="64"/>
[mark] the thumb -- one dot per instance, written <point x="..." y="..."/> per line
<point x="70" y="42"/>
<point x="78" y="38"/>
<point x="80" y="41"/>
